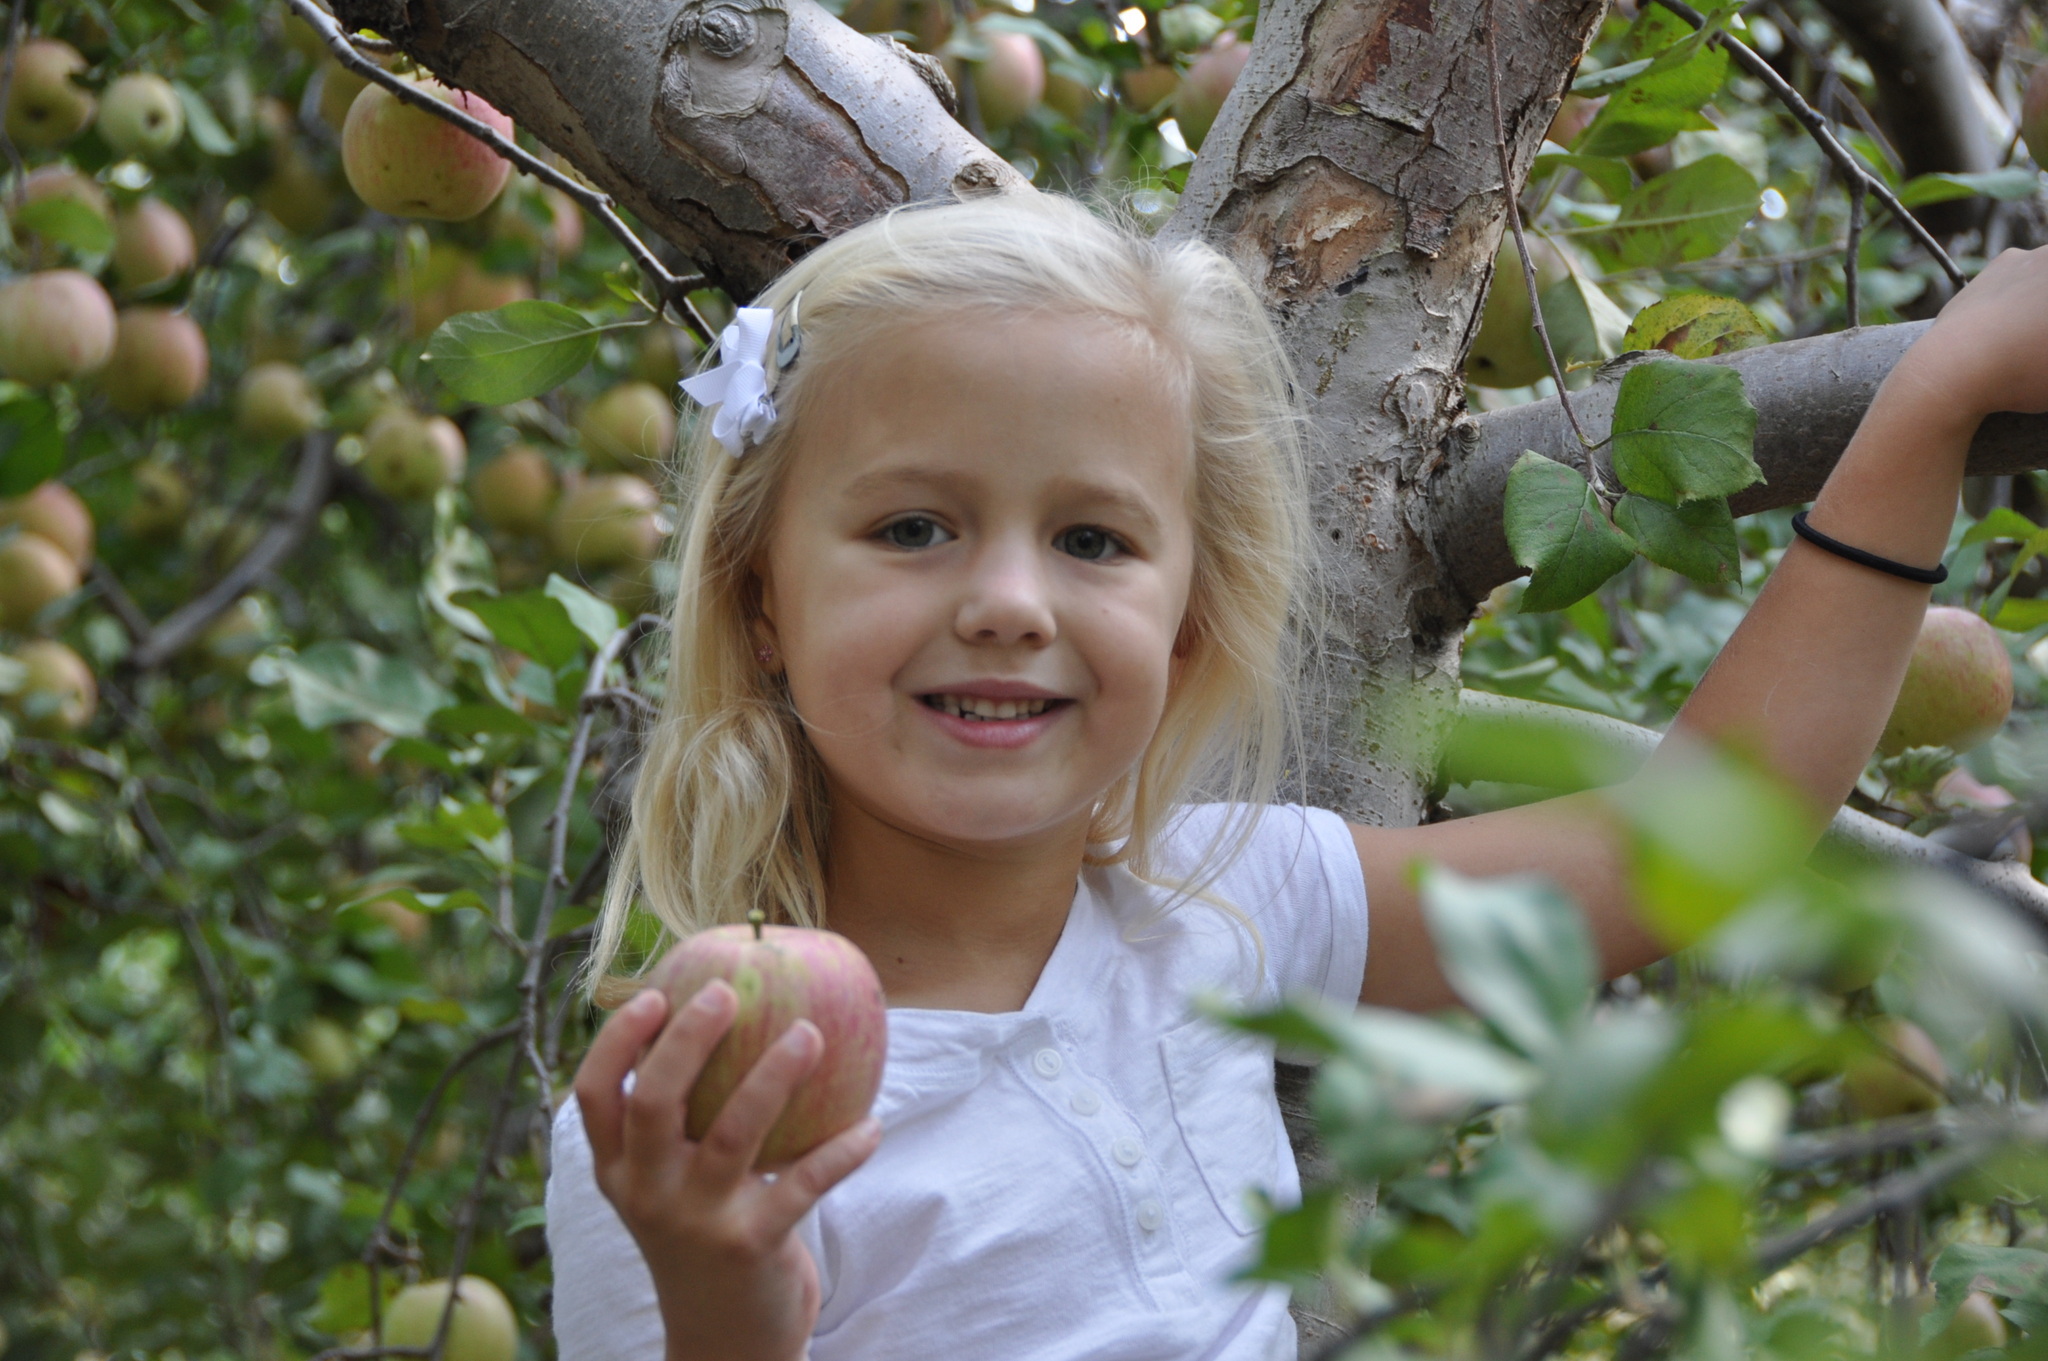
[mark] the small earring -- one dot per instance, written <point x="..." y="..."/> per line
<point x="764" y="654"/>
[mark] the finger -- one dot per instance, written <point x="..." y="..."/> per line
<point x="602" y="1074"/>
<point x="665" y="1073"/>
<point x="800" y="1185"/>
<point x="734" y="1138"/>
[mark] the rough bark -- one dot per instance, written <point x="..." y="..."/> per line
<point x="740" y="130"/>
<point x="1809" y="395"/>
<point x="1354" y="176"/>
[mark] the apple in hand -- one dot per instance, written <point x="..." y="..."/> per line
<point x="784" y="974"/>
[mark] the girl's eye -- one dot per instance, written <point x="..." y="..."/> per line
<point x="1088" y="543"/>
<point x="914" y="531"/>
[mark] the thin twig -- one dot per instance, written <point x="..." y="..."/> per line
<point x="294" y="521"/>
<point x="672" y="289"/>
<point x="133" y="620"/>
<point x="17" y="23"/>
<point x="1816" y="127"/>
<point x="1529" y="280"/>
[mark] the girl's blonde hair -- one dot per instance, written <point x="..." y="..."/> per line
<point x="729" y="809"/>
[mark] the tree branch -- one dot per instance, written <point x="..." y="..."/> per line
<point x="294" y="521"/>
<point x="1809" y="395"/>
<point x="1619" y="748"/>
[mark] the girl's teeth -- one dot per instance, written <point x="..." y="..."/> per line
<point x="962" y="706"/>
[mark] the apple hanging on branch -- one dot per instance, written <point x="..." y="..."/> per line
<point x="784" y="974"/>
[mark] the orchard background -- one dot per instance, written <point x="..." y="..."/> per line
<point x="327" y="570"/>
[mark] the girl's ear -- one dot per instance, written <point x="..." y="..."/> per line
<point x="760" y="591"/>
<point x="1183" y="648"/>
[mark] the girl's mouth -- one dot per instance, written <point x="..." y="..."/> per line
<point x="975" y="709"/>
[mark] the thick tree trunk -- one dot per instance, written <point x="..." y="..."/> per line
<point x="1354" y="175"/>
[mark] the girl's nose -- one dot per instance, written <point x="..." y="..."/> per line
<point x="1008" y="601"/>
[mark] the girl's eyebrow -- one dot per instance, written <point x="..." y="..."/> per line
<point x="1119" y="500"/>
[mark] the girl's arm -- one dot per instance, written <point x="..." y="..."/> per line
<point x="1808" y="680"/>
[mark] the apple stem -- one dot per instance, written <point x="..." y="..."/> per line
<point x="755" y="916"/>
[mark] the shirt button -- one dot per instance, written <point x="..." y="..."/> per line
<point x="1127" y="1152"/>
<point x="1151" y="1214"/>
<point x="1086" y="1102"/>
<point x="1048" y="1063"/>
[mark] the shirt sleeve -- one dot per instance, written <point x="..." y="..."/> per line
<point x="1299" y="883"/>
<point x="604" y="1305"/>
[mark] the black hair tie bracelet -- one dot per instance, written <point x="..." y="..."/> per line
<point x="1926" y="576"/>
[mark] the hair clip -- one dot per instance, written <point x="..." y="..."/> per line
<point x="739" y="386"/>
<point x="791" y="341"/>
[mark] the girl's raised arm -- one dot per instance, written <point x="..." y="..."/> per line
<point x="1808" y="680"/>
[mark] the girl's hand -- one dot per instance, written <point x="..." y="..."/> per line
<point x="733" y="1279"/>
<point x="1988" y="350"/>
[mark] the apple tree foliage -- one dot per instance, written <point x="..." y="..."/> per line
<point x="288" y="922"/>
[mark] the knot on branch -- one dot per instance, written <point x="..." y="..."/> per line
<point x="722" y="57"/>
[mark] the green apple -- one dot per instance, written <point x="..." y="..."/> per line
<point x="152" y="245"/>
<point x="55" y="326"/>
<point x="1958" y="686"/>
<point x="60" y="181"/>
<point x="482" y="1328"/>
<point x="328" y="1049"/>
<point x="339" y="87"/>
<point x="54" y="511"/>
<point x="159" y="362"/>
<point x="1207" y="84"/>
<point x="296" y="194"/>
<point x="1976" y="1324"/>
<point x="34" y="574"/>
<point x="1507" y="353"/>
<point x="242" y="630"/>
<point x="275" y="401"/>
<point x="408" y="163"/>
<point x="514" y="492"/>
<point x="409" y="457"/>
<point x="628" y="427"/>
<point x="1878" y="1086"/>
<point x="45" y="105"/>
<point x="608" y="521"/>
<point x="162" y="500"/>
<point x="141" y="116"/>
<point x="58" y="694"/>
<point x="1010" y="80"/>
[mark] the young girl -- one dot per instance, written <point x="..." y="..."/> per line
<point x="993" y="585"/>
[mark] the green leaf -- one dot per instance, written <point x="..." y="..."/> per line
<point x="205" y="129"/>
<point x="342" y="682"/>
<point x="1696" y="538"/>
<point x="1583" y="322"/>
<point x="1696" y="326"/>
<point x="481" y="720"/>
<point x="596" y="618"/>
<point x="1593" y="84"/>
<point x="31" y="444"/>
<point x="67" y="222"/>
<point x="2003" y="522"/>
<point x="1684" y="431"/>
<point x="2021" y="616"/>
<point x="533" y="623"/>
<point x="2019" y="1274"/>
<point x="514" y="352"/>
<point x="1299" y="1243"/>
<point x="1419" y="1052"/>
<point x="1611" y="175"/>
<point x="1557" y="528"/>
<point x="1686" y="214"/>
<point x="2013" y="182"/>
<point x="1658" y="104"/>
<point x="1516" y="950"/>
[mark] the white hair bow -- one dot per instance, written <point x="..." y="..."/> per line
<point x="738" y="387"/>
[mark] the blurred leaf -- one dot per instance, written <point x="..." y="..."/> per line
<point x="517" y="351"/>
<point x="596" y="618"/>
<point x="2002" y="522"/>
<point x="31" y="444"/>
<point x="533" y="623"/>
<point x="200" y="123"/>
<point x="1658" y="103"/>
<point x="1515" y="949"/>
<point x="1556" y="527"/>
<point x="1683" y="431"/>
<point x="1583" y="322"/>
<point x="67" y="222"/>
<point x="1685" y="214"/>
<point x="1524" y="742"/>
<point x="2011" y="183"/>
<point x="344" y="1301"/>
<point x="481" y="720"/>
<point x="1611" y="174"/>
<point x="341" y="682"/>
<point x="1298" y="1243"/>
<point x="1712" y="832"/>
<point x="1430" y="1055"/>
<point x="1696" y="326"/>
<point x="1695" y="538"/>
<point x="2018" y="1274"/>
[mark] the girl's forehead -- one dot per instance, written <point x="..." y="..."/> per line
<point x="1045" y="392"/>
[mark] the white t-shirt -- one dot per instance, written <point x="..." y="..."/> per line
<point x="1069" y="1180"/>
